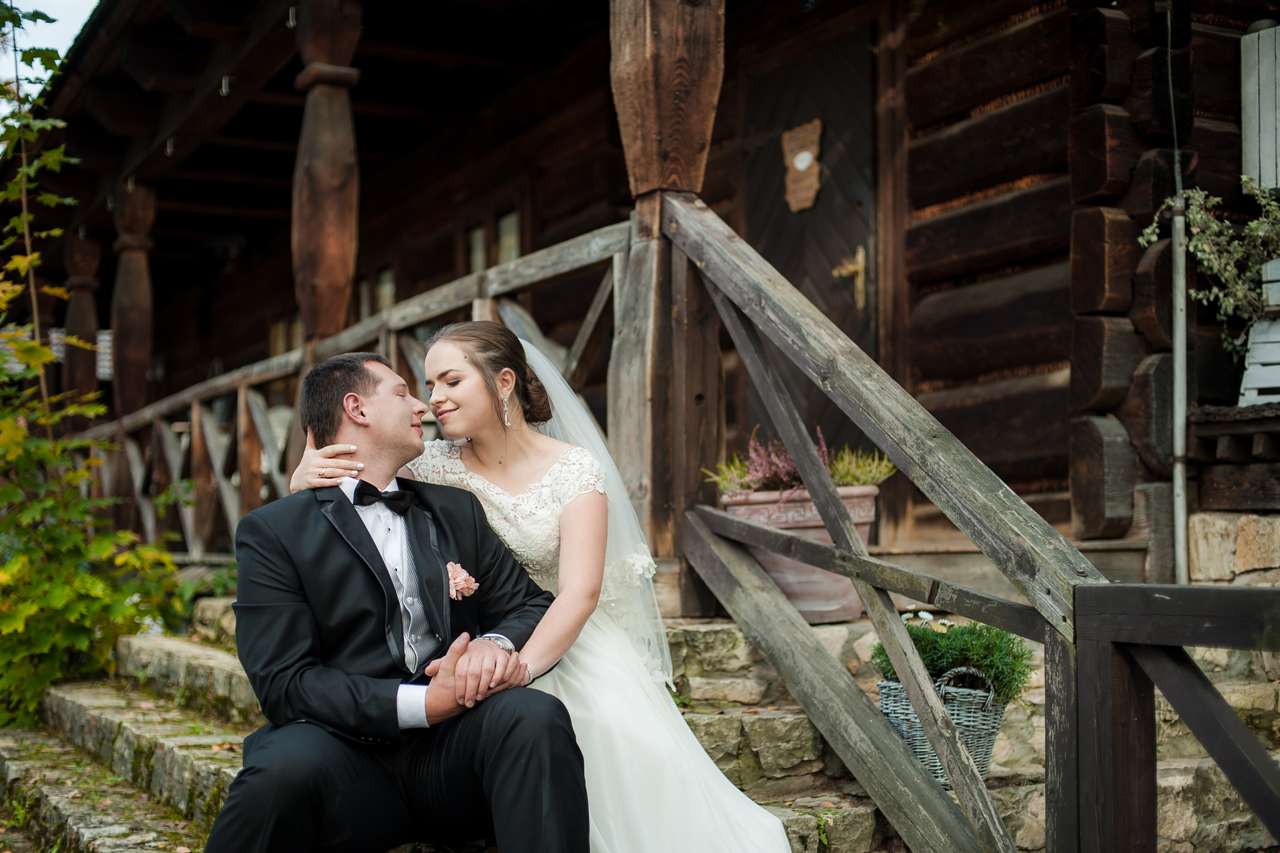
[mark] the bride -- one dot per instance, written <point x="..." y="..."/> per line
<point x="528" y="450"/>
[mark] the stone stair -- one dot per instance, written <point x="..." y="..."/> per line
<point x="161" y="743"/>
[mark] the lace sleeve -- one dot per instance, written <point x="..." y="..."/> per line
<point x="579" y="473"/>
<point x="435" y="463"/>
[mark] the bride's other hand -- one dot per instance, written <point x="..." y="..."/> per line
<point x="324" y="467"/>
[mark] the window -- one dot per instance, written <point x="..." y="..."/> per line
<point x="508" y="236"/>
<point x="476" y="238"/>
<point x="386" y="288"/>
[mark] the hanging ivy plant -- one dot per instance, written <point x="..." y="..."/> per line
<point x="1229" y="256"/>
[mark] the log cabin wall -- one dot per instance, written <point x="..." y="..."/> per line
<point x="988" y="276"/>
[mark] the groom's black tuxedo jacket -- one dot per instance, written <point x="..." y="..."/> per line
<point x="318" y="625"/>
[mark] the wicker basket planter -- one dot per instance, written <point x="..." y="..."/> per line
<point x="819" y="595"/>
<point x="976" y="713"/>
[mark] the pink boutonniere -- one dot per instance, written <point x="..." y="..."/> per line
<point x="461" y="584"/>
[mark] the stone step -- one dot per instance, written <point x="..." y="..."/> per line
<point x="186" y="760"/>
<point x="68" y="803"/>
<point x="196" y="676"/>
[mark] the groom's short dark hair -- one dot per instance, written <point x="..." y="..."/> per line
<point x="325" y="386"/>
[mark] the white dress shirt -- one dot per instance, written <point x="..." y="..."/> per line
<point x="391" y="537"/>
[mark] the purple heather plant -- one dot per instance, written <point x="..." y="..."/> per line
<point x="769" y="467"/>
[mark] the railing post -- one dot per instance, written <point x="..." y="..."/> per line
<point x="1117" y="753"/>
<point x="1062" y="743"/>
<point x="202" y="476"/>
<point x="131" y="309"/>
<point x="79" y="367"/>
<point x="248" y="454"/>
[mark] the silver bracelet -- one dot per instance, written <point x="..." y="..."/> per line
<point x="528" y="675"/>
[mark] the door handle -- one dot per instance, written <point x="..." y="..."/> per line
<point x="855" y="268"/>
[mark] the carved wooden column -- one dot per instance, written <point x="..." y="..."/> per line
<point x="131" y="313"/>
<point x="666" y="68"/>
<point x="326" y="176"/>
<point x="81" y="259"/>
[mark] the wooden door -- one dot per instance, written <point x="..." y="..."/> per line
<point x="832" y="81"/>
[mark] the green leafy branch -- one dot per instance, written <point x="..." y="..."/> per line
<point x="1229" y="256"/>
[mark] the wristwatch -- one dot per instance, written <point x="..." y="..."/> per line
<point x="499" y="641"/>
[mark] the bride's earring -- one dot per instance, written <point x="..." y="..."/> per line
<point x="506" y="418"/>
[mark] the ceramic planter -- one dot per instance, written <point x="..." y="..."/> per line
<point x="819" y="595"/>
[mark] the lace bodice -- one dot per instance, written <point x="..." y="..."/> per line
<point x="528" y="523"/>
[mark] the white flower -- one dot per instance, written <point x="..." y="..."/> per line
<point x="925" y="616"/>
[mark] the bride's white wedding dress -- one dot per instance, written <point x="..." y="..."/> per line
<point x="650" y="785"/>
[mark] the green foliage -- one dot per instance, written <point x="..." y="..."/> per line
<point x="68" y="587"/>
<point x="1001" y="656"/>
<point x="1229" y="256"/>
<point x="769" y="467"/>
<point x="220" y="582"/>
<point x="858" y="467"/>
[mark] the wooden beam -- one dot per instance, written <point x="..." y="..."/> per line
<point x="1104" y="149"/>
<point x="1102" y="52"/>
<point x="1007" y="322"/>
<point x="592" y="334"/>
<point x="187" y="121"/>
<point x="1005" y="229"/>
<point x="1104" y="252"/>
<point x="517" y="318"/>
<point x="131" y="297"/>
<point x="1031" y="554"/>
<point x="666" y="67"/>
<point x="960" y="768"/>
<point x="79" y="367"/>
<point x="1104" y="470"/>
<point x="249" y="444"/>
<point x="1062" y="746"/>
<point x="547" y="264"/>
<point x="1117" y="758"/>
<point x="926" y="818"/>
<point x="1148" y="100"/>
<point x="257" y="407"/>
<point x="1014" y="58"/>
<point x="1171" y="615"/>
<point x="1147" y="413"/>
<point x="1104" y="353"/>
<point x="952" y="597"/>
<point x="326" y="176"/>
<point x="1152" y="308"/>
<point x="1245" y="761"/>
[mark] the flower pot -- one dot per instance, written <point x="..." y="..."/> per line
<point x="819" y="595"/>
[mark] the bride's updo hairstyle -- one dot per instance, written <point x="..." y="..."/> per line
<point x="493" y="348"/>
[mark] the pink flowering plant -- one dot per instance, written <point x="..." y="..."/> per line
<point x="770" y="468"/>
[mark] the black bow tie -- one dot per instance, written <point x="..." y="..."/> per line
<point x="398" y="501"/>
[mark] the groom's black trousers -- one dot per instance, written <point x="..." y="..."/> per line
<point x="509" y="769"/>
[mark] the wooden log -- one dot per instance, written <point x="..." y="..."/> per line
<point x="1104" y="149"/>
<point x="131" y="299"/>
<point x="79" y="367"/>
<point x="1062" y="746"/>
<point x="257" y="406"/>
<point x="975" y="801"/>
<point x="1117" y="763"/>
<point x="1233" y="450"/>
<point x="1020" y="319"/>
<point x="1152" y="308"/>
<point x="1265" y="447"/>
<point x="1171" y="615"/>
<point x="1104" y="353"/>
<point x="1151" y="20"/>
<point x="1218" y="153"/>
<point x="1034" y="556"/>
<point x="924" y="816"/>
<point x="1240" y="487"/>
<point x="639" y="405"/>
<point x="1153" y="513"/>
<point x="1006" y="229"/>
<point x="1217" y="68"/>
<point x="1104" y="252"/>
<point x="1245" y="761"/>
<point x="951" y="597"/>
<point x="1147" y="413"/>
<point x="666" y="67"/>
<point x="248" y="453"/>
<point x="1103" y="474"/>
<point x="1025" y="137"/>
<point x="145" y="510"/>
<point x="1014" y="58"/>
<point x="1148" y="100"/>
<point x="1102" y="53"/>
<point x="326" y="175"/>
<point x="1019" y="428"/>
<point x="596" y="328"/>
<point x="547" y="264"/>
<point x="1153" y="182"/>
<point x="937" y="23"/>
<point x="697" y="410"/>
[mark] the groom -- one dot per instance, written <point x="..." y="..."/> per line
<point x="363" y="664"/>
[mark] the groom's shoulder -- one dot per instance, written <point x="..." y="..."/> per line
<point x="288" y="507"/>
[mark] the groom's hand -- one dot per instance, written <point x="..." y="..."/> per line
<point x="442" y="701"/>
<point x="482" y="671"/>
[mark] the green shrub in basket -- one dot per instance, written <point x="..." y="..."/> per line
<point x="1003" y="657"/>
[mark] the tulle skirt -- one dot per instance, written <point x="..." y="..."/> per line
<point x="650" y="785"/>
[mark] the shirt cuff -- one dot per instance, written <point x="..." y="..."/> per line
<point x="411" y="706"/>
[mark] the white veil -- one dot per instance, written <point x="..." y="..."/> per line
<point x="626" y="593"/>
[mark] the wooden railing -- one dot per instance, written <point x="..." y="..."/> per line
<point x="1104" y="644"/>
<point x="179" y="437"/>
